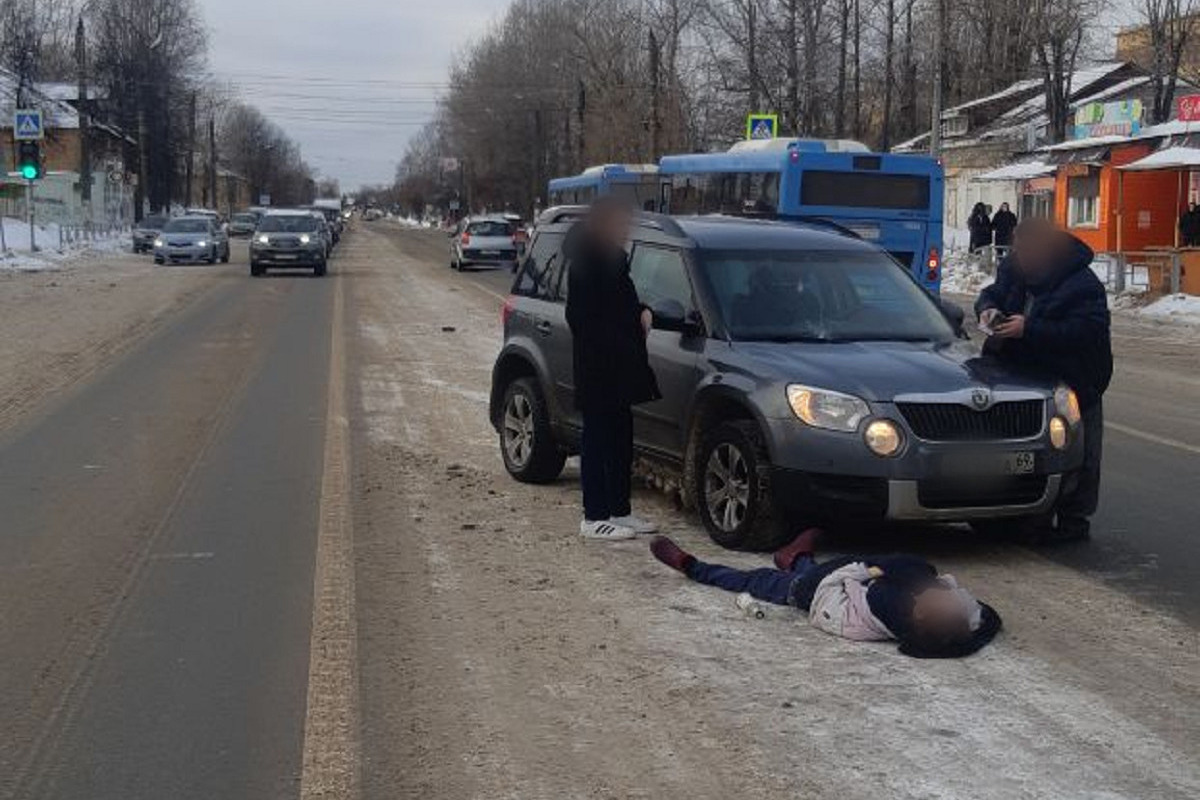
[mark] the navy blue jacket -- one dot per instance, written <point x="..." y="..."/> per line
<point x="1067" y="324"/>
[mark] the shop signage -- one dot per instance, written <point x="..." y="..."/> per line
<point x="1187" y="108"/>
<point x="1123" y="118"/>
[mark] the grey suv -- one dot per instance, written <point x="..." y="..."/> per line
<point x="806" y="378"/>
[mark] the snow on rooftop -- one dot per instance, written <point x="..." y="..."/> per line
<point x="1170" y="158"/>
<point x="1017" y="172"/>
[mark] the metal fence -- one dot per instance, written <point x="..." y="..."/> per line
<point x="1154" y="272"/>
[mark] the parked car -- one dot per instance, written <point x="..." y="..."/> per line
<point x="191" y="239"/>
<point x="243" y="224"/>
<point x="288" y="239"/>
<point x="146" y="231"/>
<point x="483" y="241"/>
<point x="806" y="378"/>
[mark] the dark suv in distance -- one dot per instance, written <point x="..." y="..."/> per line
<point x="806" y="378"/>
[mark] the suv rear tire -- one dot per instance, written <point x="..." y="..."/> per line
<point x="733" y="489"/>
<point x="531" y="455"/>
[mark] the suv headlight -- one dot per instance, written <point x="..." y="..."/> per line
<point x="822" y="408"/>
<point x="305" y="238"/>
<point x="263" y="239"/>
<point x="1066" y="403"/>
<point x="158" y="242"/>
<point x="202" y="243"/>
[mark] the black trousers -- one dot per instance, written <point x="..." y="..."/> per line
<point x="606" y="463"/>
<point x="1081" y="502"/>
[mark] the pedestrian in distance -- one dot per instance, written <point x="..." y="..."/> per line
<point x="609" y="325"/>
<point x="1047" y="314"/>
<point x="1189" y="226"/>
<point x="1004" y="222"/>
<point x="863" y="598"/>
<point x="980" y="226"/>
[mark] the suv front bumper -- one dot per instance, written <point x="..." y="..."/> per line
<point x="288" y="257"/>
<point x="866" y="499"/>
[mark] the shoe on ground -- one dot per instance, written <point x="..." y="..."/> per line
<point x="671" y="554"/>
<point x="605" y="530"/>
<point x="636" y="524"/>
<point x="803" y="545"/>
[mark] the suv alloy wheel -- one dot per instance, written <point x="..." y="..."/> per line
<point x="526" y="441"/>
<point x="733" y="489"/>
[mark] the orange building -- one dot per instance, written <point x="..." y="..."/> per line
<point x="1115" y="210"/>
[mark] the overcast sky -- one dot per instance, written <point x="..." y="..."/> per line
<point x="349" y="81"/>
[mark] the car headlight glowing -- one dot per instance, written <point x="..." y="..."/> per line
<point x="201" y="243"/>
<point x="884" y="438"/>
<point x="1066" y="403"/>
<point x="158" y="242"/>
<point x="305" y="238"/>
<point x="1058" y="433"/>
<point x="822" y="408"/>
<point x="264" y="239"/>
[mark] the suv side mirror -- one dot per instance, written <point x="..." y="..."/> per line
<point x="670" y="315"/>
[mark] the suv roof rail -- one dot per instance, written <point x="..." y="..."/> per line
<point x="659" y="222"/>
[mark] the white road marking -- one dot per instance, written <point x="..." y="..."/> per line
<point x="330" y="767"/>
<point x="1151" y="437"/>
<point x="182" y="556"/>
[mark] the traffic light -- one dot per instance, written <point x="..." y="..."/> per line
<point x="29" y="160"/>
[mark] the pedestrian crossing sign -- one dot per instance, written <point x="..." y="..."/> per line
<point x="27" y="126"/>
<point x="762" y="126"/>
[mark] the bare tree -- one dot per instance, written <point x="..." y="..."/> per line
<point x="1059" y="29"/>
<point x="1170" y="25"/>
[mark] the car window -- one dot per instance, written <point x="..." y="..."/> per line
<point x="153" y="223"/>
<point x="660" y="274"/>
<point x="542" y="268"/>
<point x="282" y="224"/>
<point x="489" y="228"/>
<point x="187" y="226"/>
<point x="245" y="218"/>
<point x="768" y="295"/>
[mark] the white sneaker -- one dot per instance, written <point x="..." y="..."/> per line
<point x="605" y="530"/>
<point x="636" y="524"/>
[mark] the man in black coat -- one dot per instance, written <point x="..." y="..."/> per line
<point x="609" y="326"/>
<point x="1004" y="222"/>
<point x="1048" y="315"/>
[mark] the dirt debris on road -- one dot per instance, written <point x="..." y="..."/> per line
<point x="501" y="656"/>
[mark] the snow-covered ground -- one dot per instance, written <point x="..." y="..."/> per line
<point x="1184" y="308"/>
<point x="53" y="248"/>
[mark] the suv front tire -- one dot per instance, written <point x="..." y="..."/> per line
<point x="733" y="491"/>
<point x="531" y="455"/>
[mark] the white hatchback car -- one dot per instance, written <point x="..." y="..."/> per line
<point x="484" y="241"/>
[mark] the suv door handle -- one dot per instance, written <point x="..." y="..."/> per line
<point x="544" y="327"/>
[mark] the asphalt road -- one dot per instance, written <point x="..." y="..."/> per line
<point x="157" y="557"/>
<point x="1144" y="536"/>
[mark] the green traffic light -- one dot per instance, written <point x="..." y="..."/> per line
<point x="29" y="172"/>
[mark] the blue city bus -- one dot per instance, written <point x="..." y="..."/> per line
<point x="639" y="184"/>
<point x="894" y="201"/>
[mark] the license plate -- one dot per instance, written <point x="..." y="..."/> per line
<point x="868" y="232"/>
<point x="489" y="252"/>
<point x="284" y="257"/>
<point x="983" y="464"/>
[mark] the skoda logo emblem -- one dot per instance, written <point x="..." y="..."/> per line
<point x="981" y="399"/>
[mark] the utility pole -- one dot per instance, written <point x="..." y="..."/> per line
<point x="85" y="121"/>
<point x="935" y="134"/>
<point x="752" y="52"/>
<point x="581" y="117"/>
<point x="189" y="171"/>
<point x="655" y="97"/>
<point x="143" y="172"/>
<point x="212" y="160"/>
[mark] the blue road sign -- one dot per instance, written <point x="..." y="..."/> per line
<point x="27" y="126"/>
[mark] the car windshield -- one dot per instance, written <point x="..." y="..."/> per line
<point x="245" y="219"/>
<point x="300" y="223"/>
<point x="490" y="228"/>
<point x="152" y="223"/>
<point x="827" y="296"/>
<point x="187" y="226"/>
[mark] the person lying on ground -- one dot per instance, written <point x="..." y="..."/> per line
<point x="865" y="598"/>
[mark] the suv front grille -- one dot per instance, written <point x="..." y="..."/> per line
<point x="953" y="422"/>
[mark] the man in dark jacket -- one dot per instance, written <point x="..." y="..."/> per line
<point x="609" y="326"/>
<point x="1004" y="222"/>
<point x="980" y="226"/>
<point x="1048" y="315"/>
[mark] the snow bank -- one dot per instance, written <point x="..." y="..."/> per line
<point x="1176" y="307"/>
<point x="963" y="273"/>
<point x="54" y="252"/>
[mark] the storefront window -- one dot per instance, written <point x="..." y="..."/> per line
<point x="1083" y="200"/>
